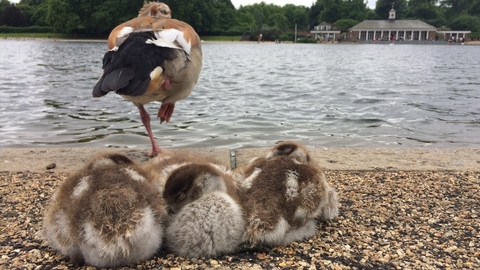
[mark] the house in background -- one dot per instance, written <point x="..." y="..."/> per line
<point x="405" y="30"/>
<point x="324" y="32"/>
<point x="454" y="35"/>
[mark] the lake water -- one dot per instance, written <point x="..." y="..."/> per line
<point x="251" y="95"/>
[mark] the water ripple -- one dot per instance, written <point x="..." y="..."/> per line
<point x="250" y="95"/>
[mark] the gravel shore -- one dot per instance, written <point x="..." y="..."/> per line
<point x="389" y="219"/>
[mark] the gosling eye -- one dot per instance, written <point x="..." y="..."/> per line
<point x="180" y="196"/>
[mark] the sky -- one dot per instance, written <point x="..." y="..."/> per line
<point x="237" y="3"/>
<point x="307" y="3"/>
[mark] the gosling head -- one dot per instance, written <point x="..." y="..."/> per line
<point x="291" y="149"/>
<point x="189" y="182"/>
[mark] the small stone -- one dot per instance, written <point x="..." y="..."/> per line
<point x="51" y="166"/>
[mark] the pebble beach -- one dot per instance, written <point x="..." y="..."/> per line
<point x="389" y="218"/>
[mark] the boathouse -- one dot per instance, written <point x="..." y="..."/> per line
<point x="406" y="30"/>
<point x="392" y="29"/>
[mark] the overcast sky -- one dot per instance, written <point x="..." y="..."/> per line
<point x="237" y="3"/>
<point x="307" y="3"/>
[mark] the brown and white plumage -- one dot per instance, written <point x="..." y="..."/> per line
<point x="152" y="58"/>
<point x="108" y="214"/>
<point x="297" y="195"/>
<point x="191" y="181"/>
<point x="202" y="198"/>
<point x="291" y="149"/>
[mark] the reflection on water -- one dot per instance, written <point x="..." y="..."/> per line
<point x="251" y="95"/>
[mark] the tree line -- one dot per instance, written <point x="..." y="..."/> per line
<point x="220" y="17"/>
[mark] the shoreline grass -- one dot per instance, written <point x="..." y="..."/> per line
<point x="71" y="36"/>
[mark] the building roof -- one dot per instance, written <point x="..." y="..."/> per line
<point x="325" y="31"/>
<point x="393" y="25"/>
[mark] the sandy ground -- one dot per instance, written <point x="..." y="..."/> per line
<point x="400" y="209"/>
<point x="407" y="159"/>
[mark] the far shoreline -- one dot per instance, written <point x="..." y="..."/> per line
<point x="236" y="41"/>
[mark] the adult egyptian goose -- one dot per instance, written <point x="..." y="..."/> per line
<point x="108" y="214"/>
<point x="151" y="58"/>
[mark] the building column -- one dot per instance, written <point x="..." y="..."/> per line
<point x="359" y="34"/>
<point x="389" y="34"/>
<point x="405" y="35"/>
<point x="426" y="37"/>
<point x="419" y="35"/>
<point x="374" y="35"/>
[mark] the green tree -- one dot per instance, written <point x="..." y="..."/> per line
<point x="40" y="13"/>
<point x="331" y="11"/>
<point x="28" y="12"/>
<point x="296" y="15"/>
<point x="278" y="21"/>
<point x="345" y="24"/>
<point x="475" y="8"/>
<point x="383" y="7"/>
<point x="455" y="7"/>
<point x="13" y="16"/>
<point x="427" y="11"/>
<point x="61" y="16"/>
<point x="228" y="14"/>
<point x="4" y="4"/>
<point x="353" y="9"/>
<point x="205" y="16"/>
<point x="99" y="16"/>
<point x="466" y="22"/>
<point x="245" y="21"/>
<point x="314" y="12"/>
<point x="259" y="18"/>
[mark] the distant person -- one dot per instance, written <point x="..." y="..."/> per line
<point x="259" y="38"/>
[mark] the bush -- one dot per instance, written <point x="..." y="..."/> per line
<point x="28" y="29"/>
<point x="231" y="32"/>
<point x="306" y="40"/>
<point x="466" y="22"/>
<point x="474" y="35"/>
<point x="287" y="37"/>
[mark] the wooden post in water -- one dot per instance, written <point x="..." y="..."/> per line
<point x="295" y="33"/>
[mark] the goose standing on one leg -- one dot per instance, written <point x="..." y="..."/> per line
<point x="151" y="58"/>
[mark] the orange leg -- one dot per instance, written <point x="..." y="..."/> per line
<point x="146" y="122"/>
<point x="165" y="112"/>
